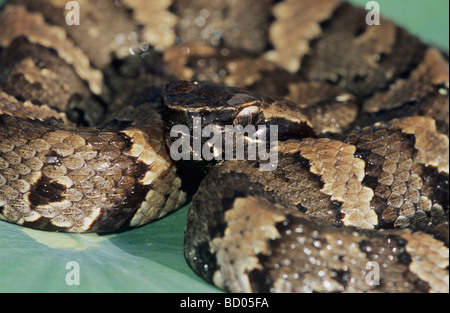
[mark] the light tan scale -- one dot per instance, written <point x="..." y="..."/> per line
<point x="16" y="21"/>
<point x="432" y="147"/>
<point x="342" y="174"/>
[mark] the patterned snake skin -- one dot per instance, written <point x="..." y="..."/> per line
<point x="358" y="200"/>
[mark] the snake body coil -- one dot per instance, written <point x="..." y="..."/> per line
<point x="361" y="180"/>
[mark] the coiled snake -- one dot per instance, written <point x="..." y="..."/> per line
<point x="361" y="178"/>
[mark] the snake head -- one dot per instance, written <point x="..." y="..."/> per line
<point x="221" y="105"/>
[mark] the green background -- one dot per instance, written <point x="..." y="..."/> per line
<point x="427" y="19"/>
<point x="150" y="258"/>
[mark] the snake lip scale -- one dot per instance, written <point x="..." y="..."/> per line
<point x="358" y="200"/>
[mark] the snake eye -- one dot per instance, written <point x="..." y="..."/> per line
<point x="248" y="116"/>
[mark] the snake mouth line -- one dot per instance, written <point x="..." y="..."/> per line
<point x="226" y="142"/>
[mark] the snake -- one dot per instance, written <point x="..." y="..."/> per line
<point x="357" y="200"/>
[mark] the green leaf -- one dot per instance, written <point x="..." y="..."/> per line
<point x="145" y="259"/>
